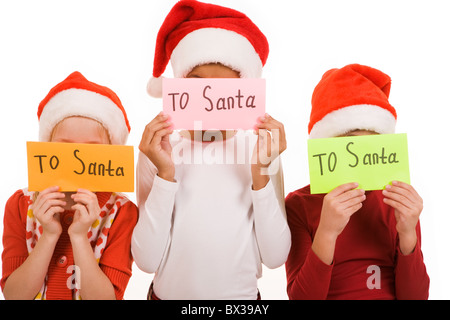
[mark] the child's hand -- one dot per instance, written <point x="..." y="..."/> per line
<point x="268" y="146"/>
<point x="338" y="206"/>
<point x="47" y="207"/>
<point x="156" y="146"/>
<point x="87" y="211"/>
<point x="408" y="205"/>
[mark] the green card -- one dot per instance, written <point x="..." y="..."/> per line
<point x="373" y="161"/>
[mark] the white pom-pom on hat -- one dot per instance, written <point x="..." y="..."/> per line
<point x="154" y="87"/>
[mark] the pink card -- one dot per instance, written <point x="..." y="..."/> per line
<point x="223" y="104"/>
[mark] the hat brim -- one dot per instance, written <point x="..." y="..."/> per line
<point x="215" y="45"/>
<point x="356" y="117"/>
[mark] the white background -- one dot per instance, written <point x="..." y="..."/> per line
<point x="112" y="43"/>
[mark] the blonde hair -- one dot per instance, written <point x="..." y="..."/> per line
<point x="102" y="128"/>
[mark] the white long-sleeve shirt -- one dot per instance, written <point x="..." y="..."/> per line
<point x="205" y="235"/>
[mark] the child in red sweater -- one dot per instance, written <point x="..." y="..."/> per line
<point x="71" y="245"/>
<point x="352" y="244"/>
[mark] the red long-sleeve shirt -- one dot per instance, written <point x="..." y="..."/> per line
<point x="367" y="254"/>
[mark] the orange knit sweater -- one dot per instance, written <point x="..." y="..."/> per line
<point x="115" y="260"/>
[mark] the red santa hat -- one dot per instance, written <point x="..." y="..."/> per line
<point x="196" y="33"/>
<point x="354" y="97"/>
<point x="76" y="96"/>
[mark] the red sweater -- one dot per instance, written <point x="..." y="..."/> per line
<point x="115" y="261"/>
<point x="369" y="239"/>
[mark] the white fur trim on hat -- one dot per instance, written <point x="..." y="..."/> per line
<point x="357" y="117"/>
<point x="215" y="45"/>
<point x="84" y="103"/>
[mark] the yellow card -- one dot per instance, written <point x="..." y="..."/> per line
<point x="96" y="167"/>
<point x="372" y="161"/>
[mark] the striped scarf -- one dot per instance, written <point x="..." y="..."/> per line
<point x="98" y="232"/>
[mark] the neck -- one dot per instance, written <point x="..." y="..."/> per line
<point x="208" y="135"/>
<point x="69" y="201"/>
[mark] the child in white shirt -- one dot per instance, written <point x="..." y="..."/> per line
<point x="205" y="228"/>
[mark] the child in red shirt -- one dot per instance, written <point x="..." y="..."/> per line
<point x="71" y="245"/>
<point x="352" y="244"/>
